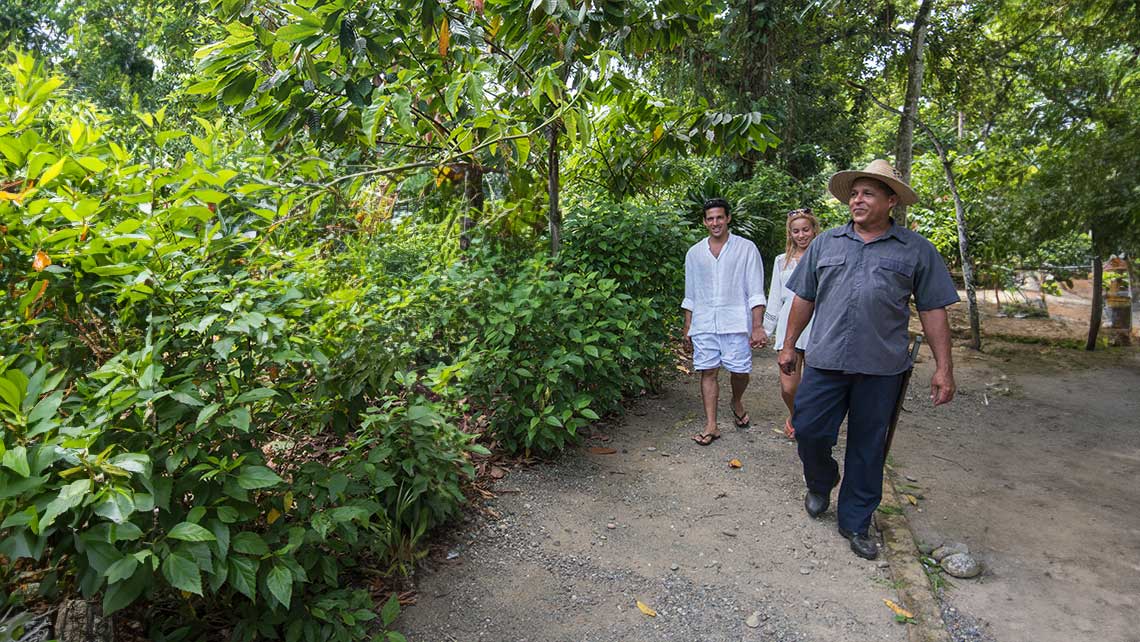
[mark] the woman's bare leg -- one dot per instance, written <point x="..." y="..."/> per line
<point x="788" y="385"/>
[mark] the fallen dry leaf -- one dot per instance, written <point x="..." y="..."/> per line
<point x="735" y="463"/>
<point x="41" y="261"/>
<point x="912" y="499"/>
<point x="899" y="611"/>
<point x="644" y="608"/>
<point x="497" y="473"/>
<point x="600" y="450"/>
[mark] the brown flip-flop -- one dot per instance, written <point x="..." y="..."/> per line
<point x="742" y="421"/>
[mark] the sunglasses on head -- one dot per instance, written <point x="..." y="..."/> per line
<point x="803" y="211"/>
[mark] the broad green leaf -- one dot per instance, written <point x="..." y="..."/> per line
<point x="280" y="584"/>
<point x="254" y="477"/>
<point x="51" y="172"/>
<point x="91" y="163"/>
<point x="164" y="137"/>
<point x="390" y="611"/>
<point x="121" y="569"/>
<point x="133" y="462"/>
<point x="26" y="517"/>
<point x="256" y="394"/>
<point x="238" y="418"/>
<point x="45" y="408"/>
<point x="221" y="537"/>
<point x="69" y="497"/>
<point x="249" y="544"/>
<point x="227" y="514"/>
<point x="182" y="573"/>
<point x="16" y="460"/>
<point x="189" y="532"/>
<point x="239" y="88"/>
<point x="243" y="575"/>
<point x="206" y="413"/>
<point x="121" y="594"/>
<point x="295" y="31"/>
<point x="10" y="394"/>
<point x="117" y="507"/>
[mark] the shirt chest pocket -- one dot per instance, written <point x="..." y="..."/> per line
<point x="830" y="270"/>
<point x="895" y="276"/>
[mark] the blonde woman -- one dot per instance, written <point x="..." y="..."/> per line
<point x="801" y="227"/>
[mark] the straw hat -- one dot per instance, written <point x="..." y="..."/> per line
<point x="881" y="170"/>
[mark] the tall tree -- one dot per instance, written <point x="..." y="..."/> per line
<point x="461" y="89"/>
<point x="788" y="62"/>
<point x="116" y="53"/>
<point x="904" y="146"/>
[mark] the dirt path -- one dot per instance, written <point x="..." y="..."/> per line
<point x="1035" y="466"/>
<point x="703" y="544"/>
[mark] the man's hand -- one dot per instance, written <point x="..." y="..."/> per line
<point x="759" y="337"/>
<point x="686" y="339"/>
<point x="787" y="359"/>
<point x="942" y="387"/>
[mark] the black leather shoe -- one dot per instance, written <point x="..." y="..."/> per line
<point x="862" y="544"/>
<point x="815" y="504"/>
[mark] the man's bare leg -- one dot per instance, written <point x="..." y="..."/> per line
<point x="709" y="395"/>
<point x="739" y="383"/>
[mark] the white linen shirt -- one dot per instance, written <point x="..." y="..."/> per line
<point x="780" y="299"/>
<point x="721" y="291"/>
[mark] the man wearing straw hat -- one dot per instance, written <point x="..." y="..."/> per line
<point x="858" y="280"/>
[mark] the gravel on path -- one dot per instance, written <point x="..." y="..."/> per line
<point x="710" y="548"/>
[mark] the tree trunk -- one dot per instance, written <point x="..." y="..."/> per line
<point x="963" y="246"/>
<point x="756" y="68"/>
<point x="1098" y="298"/>
<point x="1134" y="294"/>
<point x="555" y="215"/>
<point x="83" y="621"/>
<point x="473" y="191"/>
<point x="904" y="143"/>
<point x="964" y="250"/>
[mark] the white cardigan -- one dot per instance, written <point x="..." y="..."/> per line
<point x="780" y="305"/>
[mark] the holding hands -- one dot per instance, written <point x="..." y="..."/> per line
<point x="759" y="337"/>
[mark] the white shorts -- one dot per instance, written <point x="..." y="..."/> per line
<point x="733" y="351"/>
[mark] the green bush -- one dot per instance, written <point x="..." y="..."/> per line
<point x="176" y="423"/>
<point x="643" y="250"/>
<point x="550" y="352"/>
<point x="211" y="405"/>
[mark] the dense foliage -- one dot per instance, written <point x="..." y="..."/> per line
<point x="251" y="358"/>
<point x="195" y="400"/>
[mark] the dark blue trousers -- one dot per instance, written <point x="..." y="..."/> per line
<point x="822" y="400"/>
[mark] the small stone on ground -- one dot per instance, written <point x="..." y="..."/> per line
<point x="961" y="565"/>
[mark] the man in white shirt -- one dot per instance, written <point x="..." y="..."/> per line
<point x="724" y="312"/>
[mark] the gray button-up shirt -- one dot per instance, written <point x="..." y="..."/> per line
<point x="862" y="293"/>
